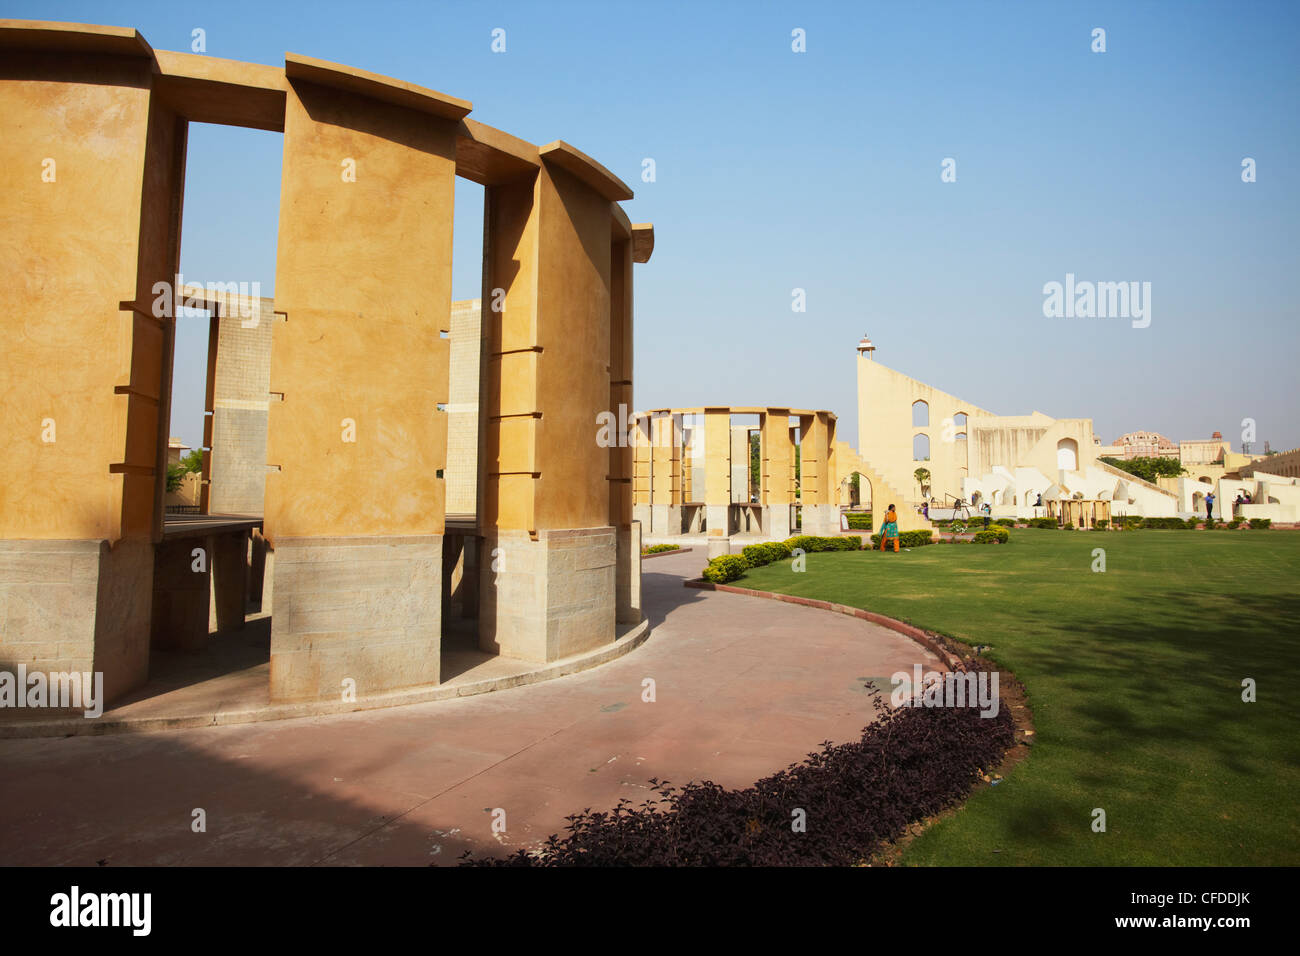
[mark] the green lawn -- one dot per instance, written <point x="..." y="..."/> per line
<point x="1134" y="676"/>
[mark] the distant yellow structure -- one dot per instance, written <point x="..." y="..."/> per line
<point x="1018" y="465"/>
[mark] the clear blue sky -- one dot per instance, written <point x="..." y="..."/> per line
<point x="821" y="171"/>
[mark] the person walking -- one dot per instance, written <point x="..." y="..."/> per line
<point x="1209" y="509"/>
<point x="890" y="530"/>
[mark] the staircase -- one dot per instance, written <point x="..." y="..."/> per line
<point x="848" y="461"/>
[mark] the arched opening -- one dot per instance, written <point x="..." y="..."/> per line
<point x="859" y="492"/>
<point x="920" y="414"/>
<point x="959" y="420"/>
<point x="921" y="447"/>
<point x="1067" y="455"/>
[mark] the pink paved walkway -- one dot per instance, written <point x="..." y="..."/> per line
<point x="744" y="687"/>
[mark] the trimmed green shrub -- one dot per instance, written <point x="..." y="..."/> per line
<point x="1164" y="523"/>
<point x="1043" y="523"/>
<point x="908" y="539"/>
<point x="858" y="520"/>
<point x="1193" y="523"/>
<point x="1234" y="524"/>
<point x="992" y="536"/>
<point x="765" y="552"/>
<point x="1101" y="524"/>
<point x="660" y="548"/>
<point x="1132" y="522"/>
<point x="1005" y="522"/>
<point x="724" y="568"/>
<point x="1258" y="524"/>
<point x="809" y="543"/>
<point x="779" y="549"/>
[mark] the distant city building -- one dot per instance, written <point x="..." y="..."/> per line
<point x="1145" y="445"/>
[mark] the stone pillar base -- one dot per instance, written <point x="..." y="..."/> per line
<point x="182" y="615"/>
<point x="228" y="554"/>
<point x="821" y="520"/>
<point x="718" y="545"/>
<point x="717" y="520"/>
<point x="256" y="570"/>
<point x="693" y="516"/>
<point x="77" y="605"/>
<point x="368" y="608"/>
<point x="628" y="608"/>
<point x="776" y="522"/>
<point x="544" y="599"/>
<point x="665" y="520"/>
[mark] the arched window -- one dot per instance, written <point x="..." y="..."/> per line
<point x="959" y="419"/>
<point x="920" y="414"/>
<point x="921" y="447"/>
<point x="1067" y="455"/>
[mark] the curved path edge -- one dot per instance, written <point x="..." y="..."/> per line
<point x="82" y="726"/>
<point x="931" y="642"/>
<point x="1021" y="713"/>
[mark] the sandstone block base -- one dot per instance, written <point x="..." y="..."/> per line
<point x="77" y="605"/>
<point x="822" y="520"/>
<point x="365" y="608"/>
<point x="628" y="608"/>
<point x="544" y="599"/>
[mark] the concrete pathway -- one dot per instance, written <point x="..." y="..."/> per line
<point x="743" y="687"/>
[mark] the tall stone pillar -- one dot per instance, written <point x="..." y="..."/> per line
<point x="356" y="442"/>
<point x="546" y="509"/>
<point x="91" y="212"/>
<point x="666" y="467"/>
<point x="641" y="483"/>
<point x="778" y="472"/>
<point x="622" y="451"/>
<point x="816" y="474"/>
<point x="740" y="476"/>
<point x="717" y="479"/>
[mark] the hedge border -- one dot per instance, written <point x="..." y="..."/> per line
<point x="1022" y="715"/>
<point x="664" y="554"/>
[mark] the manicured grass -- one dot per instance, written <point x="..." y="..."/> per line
<point x="1134" y="677"/>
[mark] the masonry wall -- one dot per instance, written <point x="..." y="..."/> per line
<point x="886" y="432"/>
<point x="462" y="408"/>
<point x="237" y="478"/>
<point x="364" y="285"/>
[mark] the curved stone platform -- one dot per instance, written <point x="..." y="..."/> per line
<point x="194" y="706"/>
<point x="743" y="688"/>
